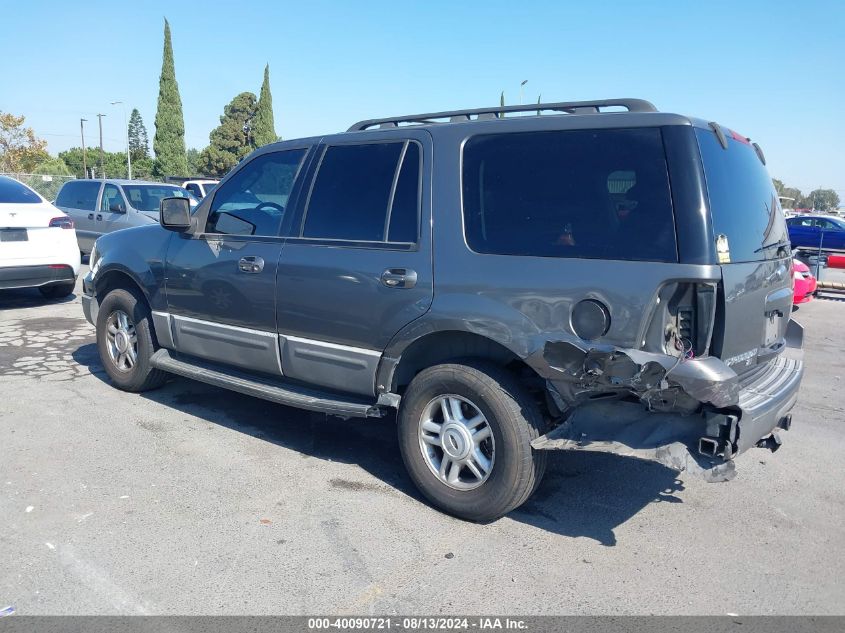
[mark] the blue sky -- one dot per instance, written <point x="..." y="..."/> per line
<point x="770" y="70"/>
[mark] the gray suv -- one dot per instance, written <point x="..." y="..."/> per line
<point x="103" y="206"/>
<point x="587" y="275"/>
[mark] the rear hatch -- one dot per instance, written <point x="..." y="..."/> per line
<point x="752" y="244"/>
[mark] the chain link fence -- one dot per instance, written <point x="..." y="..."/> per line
<point x="48" y="186"/>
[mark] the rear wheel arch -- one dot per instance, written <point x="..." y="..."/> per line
<point x="442" y="346"/>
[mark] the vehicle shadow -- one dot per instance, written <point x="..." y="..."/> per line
<point x="28" y="298"/>
<point x="584" y="494"/>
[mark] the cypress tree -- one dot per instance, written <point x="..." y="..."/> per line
<point x="264" y="129"/>
<point x="169" y="140"/>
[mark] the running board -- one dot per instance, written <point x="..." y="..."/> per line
<point x="265" y="388"/>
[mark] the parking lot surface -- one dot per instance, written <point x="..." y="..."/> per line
<point x="194" y="500"/>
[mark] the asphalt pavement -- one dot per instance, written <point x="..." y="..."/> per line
<point x="195" y="500"/>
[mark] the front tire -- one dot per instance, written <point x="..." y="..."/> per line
<point x="57" y="291"/>
<point x="126" y="342"/>
<point x="465" y="433"/>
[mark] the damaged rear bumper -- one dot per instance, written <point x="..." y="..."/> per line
<point x="715" y="414"/>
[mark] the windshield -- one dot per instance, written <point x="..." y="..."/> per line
<point x="11" y="191"/>
<point x="148" y="197"/>
<point x="209" y="187"/>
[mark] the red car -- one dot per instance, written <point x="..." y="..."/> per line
<point x="805" y="283"/>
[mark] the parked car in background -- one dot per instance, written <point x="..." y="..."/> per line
<point x="817" y="231"/>
<point x="200" y="188"/>
<point x="805" y="283"/>
<point x="491" y="276"/>
<point x="38" y="246"/>
<point x="102" y="206"/>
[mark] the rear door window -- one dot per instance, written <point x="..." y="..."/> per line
<point x="743" y="202"/>
<point x="366" y="193"/>
<point x="573" y="193"/>
<point x="80" y="194"/>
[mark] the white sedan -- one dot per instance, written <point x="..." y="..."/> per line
<point x="38" y="247"/>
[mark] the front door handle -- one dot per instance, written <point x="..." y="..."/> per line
<point x="251" y="264"/>
<point x="90" y="216"/>
<point x="99" y="216"/>
<point x="399" y="278"/>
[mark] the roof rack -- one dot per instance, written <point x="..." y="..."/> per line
<point x="453" y="116"/>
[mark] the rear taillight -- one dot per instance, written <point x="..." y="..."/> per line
<point x="61" y="222"/>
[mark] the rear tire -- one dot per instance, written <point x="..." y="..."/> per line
<point x="443" y="410"/>
<point x="126" y="342"/>
<point x="57" y="291"/>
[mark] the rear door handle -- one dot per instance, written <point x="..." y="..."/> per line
<point x="399" y="278"/>
<point x="251" y="264"/>
<point x="90" y="216"/>
<point x="99" y="216"/>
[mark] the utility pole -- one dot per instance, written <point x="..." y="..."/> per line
<point x="102" y="171"/>
<point x="126" y="128"/>
<point x="82" y="132"/>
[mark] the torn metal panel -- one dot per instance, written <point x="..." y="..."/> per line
<point x="625" y="428"/>
<point x="663" y="382"/>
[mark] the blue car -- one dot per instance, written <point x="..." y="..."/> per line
<point x="815" y="230"/>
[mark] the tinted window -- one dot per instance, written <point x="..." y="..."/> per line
<point x="575" y="193"/>
<point x="79" y="194"/>
<point x="194" y="189"/>
<point x="254" y="200"/>
<point x="743" y="202"/>
<point x="404" y="213"/>
<point x="351" y="192"/>
<point x="148" y="197"/>
<point x="111" y="196"/>
<point x="13" y="191"/>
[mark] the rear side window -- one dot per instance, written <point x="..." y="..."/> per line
<point x="367" y="193"/>
<point x="79" y="194"/>
<point x="11" y="191"/>
<point x="743" y="202"/>
<point x="575" y="193"/>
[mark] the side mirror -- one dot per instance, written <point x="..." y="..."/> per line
<point x="116" y="207"/>
<point x="175" y="214"/>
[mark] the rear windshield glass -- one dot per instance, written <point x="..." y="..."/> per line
<point x="148" y="197"/>
<point x="11" y="191"/>
<point x="743" y="202"/>
<point x="574" y="193"/>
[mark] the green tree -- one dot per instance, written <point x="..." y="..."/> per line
<point x="114" y="163"/>
<point x="169" y="141"/>
<point x="20" y="149"/>
<point x="822" y="199"/>
<point x="53" y="167"/>
<point x="230" y="141"/>
<point x="139" y="143"/>
<point x="795" y="194"/>
<point x="194" y="167"/>
<point x="264" y="128"/>
<point x="142" y="169"/>
<point x="502" y="99"/>
<point x="779" y="187"/>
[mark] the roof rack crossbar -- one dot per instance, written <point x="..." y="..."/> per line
<point x="566" y="107"/>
